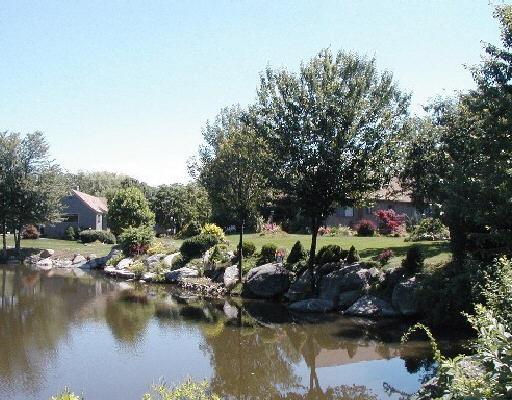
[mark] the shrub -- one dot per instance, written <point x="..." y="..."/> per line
<point x="193" y="228"/>
<point x="342" y="231"/>
<point x="30" y="232"/>
<point x="329" y="253"/>
<point x="91" y="236"/>
<point x="159" y="247"/>
<point x="297" y="253"/>
<point x="196" y="246"/>
<point x="353" y="255"/>
<point x="366" y="227"/>
<point x="281" y="254"/>
<point x="129" y="208"/>
<point x="430" y="229"/>
<point x="187" y="391"/>
<point x="212" y="229"/>
<point x="390" y="222"/>
<point x="219" y="254"/>
<point x="370" y="264"/>
<point x="138" y="268"/>
<point x="324" y="231"/>
<point x="385" y="256"/>
<point x="136" y="241"/>
<point x="267" y="254"/>
<point x="70" y="234"/>
<point x="248" y="249"/>
<point x="414" y="261"/>
<point x="66" y="395"/>
<point x="115" y="260"/>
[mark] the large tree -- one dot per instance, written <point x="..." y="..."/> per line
<point x="233" y="167"/>
<point x="129" y="208"/>
<point x="334" y="129"/>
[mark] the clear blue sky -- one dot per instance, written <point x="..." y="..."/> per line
<point x="126" y="86"/>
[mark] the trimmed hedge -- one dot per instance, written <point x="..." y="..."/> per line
<point x="136" y="241"/>
<point x="328" y="254"/>
<point x="90" y="236"/>
<point x="267" y="254"/>
<point x="297" y="253"/>
<point x="353" y="255"/>
<point x="196" y="246"/>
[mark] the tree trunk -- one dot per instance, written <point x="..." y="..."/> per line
<point x="240" y="254"/>
<point x="312" y="251"/>
<point x="4" y="238"/>
<point x="17" y="238"/>
<point x="458" y="243"/>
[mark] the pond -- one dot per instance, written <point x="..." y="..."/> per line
<point x="109" y="340"/>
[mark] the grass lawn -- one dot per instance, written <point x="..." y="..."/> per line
<point x="63" y="248"/>
<point x="368" y="247"/>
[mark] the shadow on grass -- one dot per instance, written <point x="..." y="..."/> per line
<point x="432" y="249"/>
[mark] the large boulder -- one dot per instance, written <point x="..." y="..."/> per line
<point x="349" y="278"/>
<point x="346" y="299"/>
<point x="47" y="253"/>
<point x="62" y="263"/>
<point x="45" y="264"/>
<point x="230" y="277"/>
<point x="167" y="260"/>
<point x="180" y="274"/>
<point x="78" y="259"/>
<point x="371" y="306"/>
<point x="268" y="280"/>
<point x="152" y="261"/>
<point x="312" y="306"/>
<point x="301" y="288"/>
<point x="124" y="263"/>
<point x="404" y="297"/>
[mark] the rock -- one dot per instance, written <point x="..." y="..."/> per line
<point x="169" y="259"/>
<point x="152" y="261"/>
<point x="230" y="277"/>
<point x="312" y="305"/>
<point x="230" y="311"/>
<point x="92" y="257"/>
<point x="47" y="253"/>
<point x="371" y="306"/>
<point x="268" y="280"/>
<point x="62" y="263"/>
<point x="124" y="263"/>
<point x="45" y="264"/>
<point x="329" y="267"/>
<point x="349" y="278"/>
<point x="404" y="297"/>
<point x="13" y="261"/>
<point x="346" y="299"/>
<point x="78" y="259"/>
<point x="300" y="289"/>
<point x="125" y="274"/>
<point x="110" y="270"/>
<point x="149" y="277"/>
<point x="31" y="260"/>
<point x="375" y="275"/>
<point x="179" y="274"/>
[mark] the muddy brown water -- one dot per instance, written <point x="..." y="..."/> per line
<point x="111" y="340"/>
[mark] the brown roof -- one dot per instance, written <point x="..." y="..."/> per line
<point x="98" y="204"/>
<point x="393" y="191"/>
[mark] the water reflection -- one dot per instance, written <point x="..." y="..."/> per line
<point x="255" y="350"/>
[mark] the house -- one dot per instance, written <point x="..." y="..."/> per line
<point x="81" y="211"/>
<point x="392" y="196"/>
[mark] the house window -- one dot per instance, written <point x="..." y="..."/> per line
<point x="348" y="211"/>
<point x="69" y="217"/>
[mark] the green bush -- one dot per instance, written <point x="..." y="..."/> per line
<point x="248" y="249"/>
<point x="70" y="234"/>
<point x="414" y="261"/>
<point x="193" y="228"/>
<point x="267" y="254"/>
<point x="187" y="391"/>
<point x="66" y="395"/>
<point x="430" y="229"/>
<point x="219" y="254"/>
<point x="138" y="268"/>
<point x="328" y="254"/>
<point x="136" y="241"/>
<point x="129" y="208"/>
<point x="353" y="255"/>
<point x="297" y="253"/>
<point x="196" y="246"/>
<point x="115" y="260"/>
<point x="91" y="236"/>
<point x="212" y="229"/>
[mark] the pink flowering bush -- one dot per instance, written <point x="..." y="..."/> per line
<point x="390" y="222"/>
<point x="365" y="227"/>
<point x="324" y="231"/>
<point x="385" y="256"/>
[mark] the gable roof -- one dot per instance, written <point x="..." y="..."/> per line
<point x="98" y="204"/>
<point x="394" y="192"/>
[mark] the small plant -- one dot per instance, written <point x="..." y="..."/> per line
<point x="414" y="261"/>
<point x="384" y="256"/>
<point x="138" y="268"/>
<point x="136" y="241"/>
<point x="353" y="255"/>
<point x="267" y="254"/>
<point x="342" y="231"/>
<point x="324" y="231"/>
<point x="297" y="253"/>
<point x="193" y="228"/>
<point x="91" y="236"/>
<point x="328" y="254"/>
<point x="219" y="254"/>
<point x="281" y="254"/>
<point x="187" y="391"/>
<point x="212" y="229"/>
<point x="66" y="395"/>
<point x="69" y="233"/>
<point x="430" y="229"/>
<point x="366" y="227"/>
<point x="30" y="232"/>
<point x="248" y="249"/>
<point x="196" y="246"/>
<point x="159" y="247"/>
<point x="115" y="260"/>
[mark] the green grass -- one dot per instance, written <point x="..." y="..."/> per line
<point x="368" y="247"/>
<point x="63" y="248"/>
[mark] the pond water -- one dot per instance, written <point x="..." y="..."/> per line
<point x="108" y="340"/>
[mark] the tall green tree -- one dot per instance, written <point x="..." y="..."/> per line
<point x="129" y="208"/>
<point x="233" y="167"/>
<point x="334" y="129"/>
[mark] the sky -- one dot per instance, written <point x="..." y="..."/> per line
<point x="126" y="86"/>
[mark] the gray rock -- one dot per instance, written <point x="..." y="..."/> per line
<point x="78" y="259"/>
<point x="230" y="311"/>
<point x="179" y="274"/>
<point x="329" y="267"/>
<point x="268" y="280"/>
<point x="45" y="264"/>
<point x="124" y="263"/>
<point x="230" y="277"/>
<point x="125" y="274"/>
<point x="371" y="306"/>
<point x="346" y="299"/>
<point x="46" y="253"/>
<point x="312" y="306"/>
<point x="149" y="277"/>
<point x="349" y="278"/>
<point x="375" y="275"/>
<point x="169" y="259"/>
<point x="99" y="262"/>
<point x="62" y="264"/>
<point x="404" y="297"/>
<point x="300" y="289"/>
<point x="152" y="261"/>
<point x="110" y="270"/>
